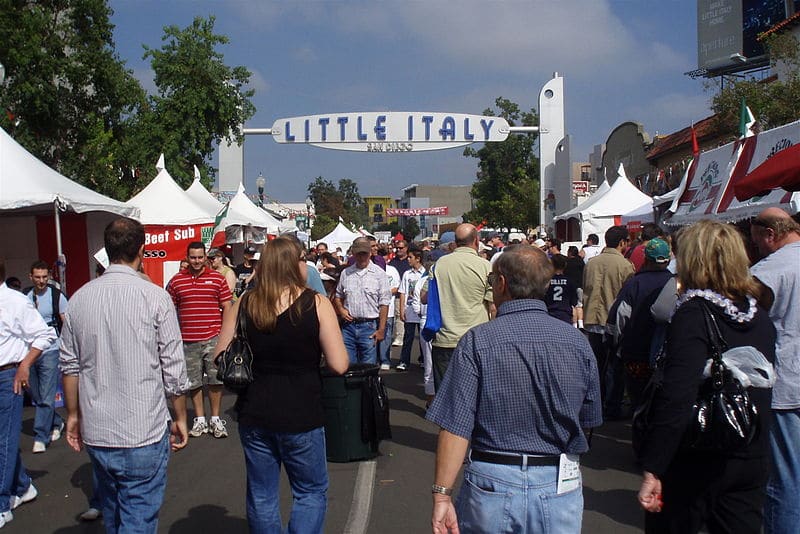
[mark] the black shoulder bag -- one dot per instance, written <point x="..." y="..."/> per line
<point x="724" y="418"/>
<point x="235" y="364"/>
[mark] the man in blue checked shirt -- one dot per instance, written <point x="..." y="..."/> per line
<point x="519" y="390"/>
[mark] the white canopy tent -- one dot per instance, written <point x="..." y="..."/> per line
<point x="163" y="202"/>
<point x="28" y="188"/>
<point x="203" y="198"/>
<point x="341" y="237"/>
<point x="576" y="211"/>
<point x="623" y="197"/>
<point x="243" y="212"/>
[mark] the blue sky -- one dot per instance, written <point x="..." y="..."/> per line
<point x="621" y="60"/>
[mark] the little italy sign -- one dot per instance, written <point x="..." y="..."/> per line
<point x="390" y="131"/>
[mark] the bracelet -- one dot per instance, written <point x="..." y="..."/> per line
<point x="435" y="488"/>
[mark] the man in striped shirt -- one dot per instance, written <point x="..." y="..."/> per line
<point x="122" y="357"/>
<point x="201" y="295"/>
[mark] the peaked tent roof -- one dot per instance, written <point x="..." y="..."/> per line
<point x="597" y="195"/>
<point x="242" y="212"/>
<point x="340" y="236"/>
<point x="623" y="197"/>
<point x="201" y="196"/>
<point x="27" y="184"/>
<point x="164" y="202"/>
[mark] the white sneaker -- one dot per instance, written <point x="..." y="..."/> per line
<point x="199" y="428"/>
<point x="217" y="428"/>
<point x="397" y="343"/>
<point x="385" y="367"/>
<point x="38" y="447"/>
<point x="400" y="367"/>
<point x="5" y="517"/>
<point x="28" y="496"/>
<point x="91" y="514"/>
<point x="55" y="435"/>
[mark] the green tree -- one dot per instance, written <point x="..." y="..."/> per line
<point x="67" y="97"/>
<point x="323" y="225"/>
<point x="506" y="189"/>
<point x="338" y="201"/>
<point x="200" y="102"/>
<point x="411" y="228"/>
<point x="775" y="103"/>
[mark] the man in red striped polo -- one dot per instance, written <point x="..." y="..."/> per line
<point x="201" y="295"/>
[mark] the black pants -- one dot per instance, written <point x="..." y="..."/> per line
<point x="441" y="359"/>
<point x="725" y="494"/>
<point x="600" y="349"/>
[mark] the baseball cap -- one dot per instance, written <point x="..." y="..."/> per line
<point x="250" y="250"/>
<point x="447" y="237"/>
<point x="657" y="250"/>
<point x="361" y="245"/>
<point x="539" y="243"/>
<point x="215" y="252"/>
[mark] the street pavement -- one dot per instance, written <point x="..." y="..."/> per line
<point x="390" y="494"/>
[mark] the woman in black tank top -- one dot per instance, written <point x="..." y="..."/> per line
<point x="289" y="327"/>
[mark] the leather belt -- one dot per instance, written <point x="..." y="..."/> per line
<point x="8" y="366"/>
<point x="365" y="320"/>
<point x="513" y="459"/>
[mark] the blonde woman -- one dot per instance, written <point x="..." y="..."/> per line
<point x="280" y="414"/>
<point x="683" y="488"/>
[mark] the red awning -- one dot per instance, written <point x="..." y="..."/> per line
<point x="780" y="171"/>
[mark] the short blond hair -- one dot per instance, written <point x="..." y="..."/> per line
<point x="712" y="255"/>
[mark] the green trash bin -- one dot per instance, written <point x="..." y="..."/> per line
<point x="341" y="400"/>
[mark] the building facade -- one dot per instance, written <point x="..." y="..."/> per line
<point x="457" y="199"/>
<point x="376" y="210"/>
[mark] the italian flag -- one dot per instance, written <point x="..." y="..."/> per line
<point x="219" y="228"/>
<point x="746" y="121"/>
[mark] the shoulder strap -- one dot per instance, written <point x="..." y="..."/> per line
<point x="715" y="339"/>
<point x="241" y="319"/>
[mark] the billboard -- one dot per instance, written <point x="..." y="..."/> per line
<point x="727" y="32"/>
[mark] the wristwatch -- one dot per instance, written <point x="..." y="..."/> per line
<point x="435" y="488"/>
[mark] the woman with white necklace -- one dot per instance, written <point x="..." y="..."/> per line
<point x="683" y="488"/>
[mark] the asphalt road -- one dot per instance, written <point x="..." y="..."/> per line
<point x="206" y="485"/>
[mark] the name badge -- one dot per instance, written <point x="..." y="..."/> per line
<point x="569" y="473"/>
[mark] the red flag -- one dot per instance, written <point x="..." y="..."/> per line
<point x="695" y="146"/>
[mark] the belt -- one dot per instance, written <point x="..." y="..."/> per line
<point x="513" y="459"/>
<point x="365" y="320"/>
<point x="8" y="366"/>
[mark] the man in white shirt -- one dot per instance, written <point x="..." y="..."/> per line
<point x="385" y="346"/>
<point x="23" y="337"/>
<point x="409" y="317"/>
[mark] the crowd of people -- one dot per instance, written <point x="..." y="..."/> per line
<point x="524" y="348"/>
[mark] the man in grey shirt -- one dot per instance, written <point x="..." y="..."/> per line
<point x="777" y="237"/>
<point x="122" y="356"/>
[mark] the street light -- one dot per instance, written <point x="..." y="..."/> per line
<point x="309" y="209"/>
<point x="260" y="182"/>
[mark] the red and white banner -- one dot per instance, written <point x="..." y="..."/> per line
<point x="411" y="212"/>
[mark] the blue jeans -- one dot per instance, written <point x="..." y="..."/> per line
<point x="360" y="347"/>
<point x="781" y="514"/>
<point x="507" y="498"/>
<point x="14" y="480"/>
<point x="303" y="455"/>
<point x="385" y="346"/>
<point x="408" y="341"/>
<point x="131" y="485"/>
<point x="43" y="383"/>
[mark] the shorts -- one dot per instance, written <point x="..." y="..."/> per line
<point x="200" y="363"/>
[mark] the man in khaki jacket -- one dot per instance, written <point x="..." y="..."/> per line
<point x="602" y="280"/>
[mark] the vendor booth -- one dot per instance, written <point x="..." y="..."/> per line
<point x="172" y="220"/>
<point x="48" y="216"/>
<point x="340" y="237"/>
<point x="568" y="224"/>
<point x="708" y="189"/>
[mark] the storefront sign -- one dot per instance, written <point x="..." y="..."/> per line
<point x="412" y="212"/>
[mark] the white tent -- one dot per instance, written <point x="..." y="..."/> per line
<point x="28" y="189"/>
<point x="203" y="198"/>
<point x="576" y="211"/>
<point x="242" y="212"/>
<point x="341" y="237"/>
<point x="28" y="184"/>
<point x="623" y="197"/>
<point x="163" y="202"/>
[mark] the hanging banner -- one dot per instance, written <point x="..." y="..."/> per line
<point x="165" y="247"/>
<point x="413" y="212"/>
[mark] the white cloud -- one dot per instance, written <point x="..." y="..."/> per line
<point x="258" y="82"/>
<point x="146" y="77"/>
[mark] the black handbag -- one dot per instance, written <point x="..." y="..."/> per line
<point x="235" y="367"/>
<point x="724" y="418"/>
